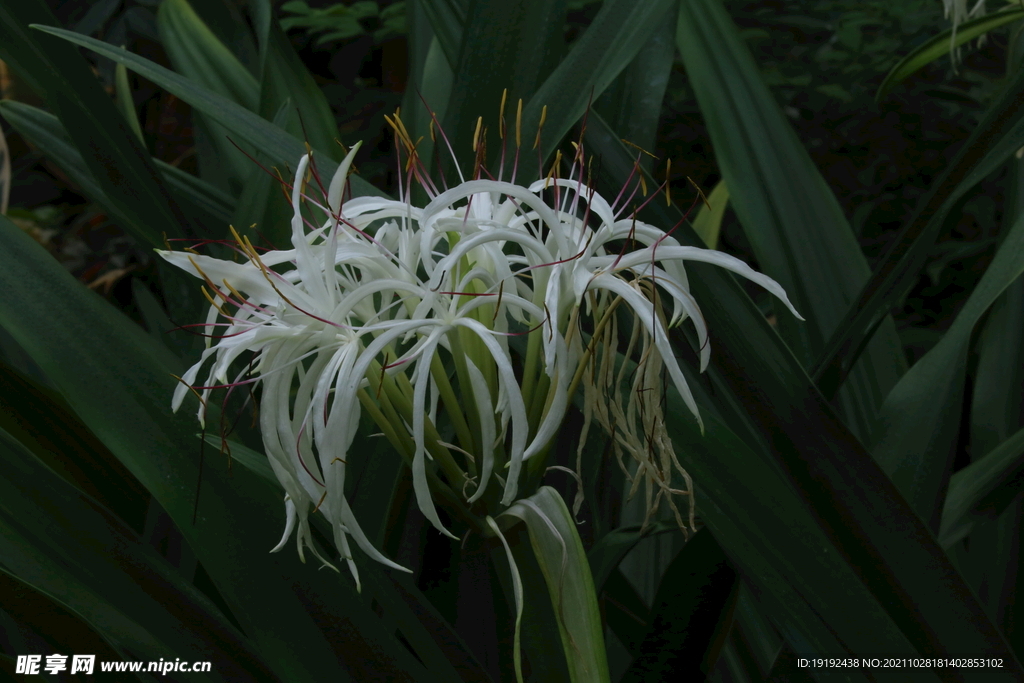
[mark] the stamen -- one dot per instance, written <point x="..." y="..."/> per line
<point x="501" y="114"/>
<point x="519" y="123"/>
<point x="700" y="192"/>
<point x="639" y="148"/>
<point x="213" y="303"/>
<point x="476" y="133"/>
<point x="540" y="126"/>
<point x="668" y="178"/>
<point x="553" y="173"/>
<point x="191" y="388"/>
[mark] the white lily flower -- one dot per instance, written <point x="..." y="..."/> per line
<point x="959" y="12"/>
<point x="369" y="306"/>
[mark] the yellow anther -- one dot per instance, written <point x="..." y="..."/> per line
<point x="700" y="192"/>
<point x="394" y="123"/>
<point x="476" y="133"/>
<point x="234" y="233"/>
<point x="501" y="115"/>
<point x="540" y="126"/>
<point x="401" y="124"/>
<point x="639" y="148"/>
<point x="198" y="269"/>
<point x="519" y="122"/>
<point x="234" y="292"/>
<point x="553" y="173"/>
<point x="213" y="302"/>
<point x="668" y="181"/>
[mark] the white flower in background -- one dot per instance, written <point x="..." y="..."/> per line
<point x="377" y="298"/>
<point x="959" y="11"/>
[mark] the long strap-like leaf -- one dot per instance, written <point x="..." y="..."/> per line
<point x="858" y="507"/>
<point x="999" y="134"/>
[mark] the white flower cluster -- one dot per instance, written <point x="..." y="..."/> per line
<point x="377" y="294"/>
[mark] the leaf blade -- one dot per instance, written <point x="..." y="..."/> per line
<point x="246" y="125"/>
<point x="559" y="551"/>
<point x="936" y="47"/>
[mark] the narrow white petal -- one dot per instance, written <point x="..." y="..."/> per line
<point x="290" y="519"/>
<point x="338" y="181"/>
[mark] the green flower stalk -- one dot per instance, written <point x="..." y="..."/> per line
<point x="378" y="298"/>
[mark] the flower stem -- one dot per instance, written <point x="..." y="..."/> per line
<point x="404" y="447"/>
<point x="453" y="407"/>
<point x="431" y="438"/>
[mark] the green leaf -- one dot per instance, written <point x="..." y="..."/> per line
<point x="559" y="552"/>
<point x="199" y="55"/>
<point x="447" y="18"/>
<point x="245" y="125"/>
<point x="607" y="553"/>
<point x="509" y="45"/>
<point x="119" y="384"/>
<point x="230" y="26"/>
<point x="42" y="422"/>
<point x="764" y="395"/>
<point x="211" y="206"/>
<point x="262" y="204"/>
<point x="793" y="221"/>
<point x="919" y="421"/>
<point x="998" y="136"/>
<point x="628" y="616"/>
<point x="942" y="44"/>
<point x="253" y="461"/>
<point x="608" y="45"/>
<point x="123" y="97"/>
<point x="33" y="622"/>
<point x="108" y="145"/>
<point x="776" y="542"/>
<point x="982" y="490"/>
<point x="153" y="315"/>
<point x="286" y="79"/>
<point x="708" y="222"/>
<point x="431" y="637"/>
<point x="632" y="104"/>
<point x="996" y="413"/>
<point x="430" y="81"/>
<point x="69" y="547"/>
<point x="435" y="642"/>
<point x="690" y="617"/>
<point x="760" y="637"/>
